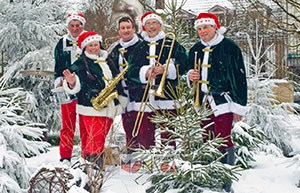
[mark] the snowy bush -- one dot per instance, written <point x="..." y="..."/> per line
<point x="247" y="141"/>
<point x="19" y="138"/>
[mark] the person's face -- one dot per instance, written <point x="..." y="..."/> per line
<point x="126" y="31"/>
<point x="93" y="48"/>
<point x="75" y="28"/>
<point x="206" y="32"/>
<point x="152" y="27"/>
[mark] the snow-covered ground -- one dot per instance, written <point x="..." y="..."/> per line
<point x="270" y="175"/>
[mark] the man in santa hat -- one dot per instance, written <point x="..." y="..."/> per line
<point x="65" y="56"/>
<point x="146" y="66"/>
<point x="222" y="78"/>
<point x="120" y="51"/>
<point x="119" y="55"/>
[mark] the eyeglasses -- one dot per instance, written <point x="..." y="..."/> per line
<point x="73" y="26"/>
<point x="155" y="23"/>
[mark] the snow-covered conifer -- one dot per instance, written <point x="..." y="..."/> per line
<point x="19" y="138"/>
<point x="195" y="162"/>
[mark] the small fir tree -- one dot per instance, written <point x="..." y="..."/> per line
<point x="266" y="112"/>
<point x="195" y="162"/>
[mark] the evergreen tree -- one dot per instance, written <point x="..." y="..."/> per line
<point x="248" y="140"/>
<point x="19" y="138"/>
<point x="29" y="32"/>
<point x="195" y="163"/>
<point x="266" y="112"/>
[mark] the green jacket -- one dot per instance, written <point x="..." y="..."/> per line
<point x="139" y="61"/>
<point x="226" y="76"/>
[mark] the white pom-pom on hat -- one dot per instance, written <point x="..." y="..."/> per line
<point x="222" y="30"/>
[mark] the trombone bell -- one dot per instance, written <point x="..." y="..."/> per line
<point x="160" y="91"/>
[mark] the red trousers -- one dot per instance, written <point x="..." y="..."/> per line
<point x="222" y="127"/>
<point x="93" y="132"/>
<point x="146" y="135"/>
<point x="68" y="112"/>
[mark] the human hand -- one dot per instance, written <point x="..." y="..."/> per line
<point x="150" y="75"/>
<point x="159" y="68"/>
<point x="237" y="118"/>
<point x="69" y="77"/>
<point x="194" y="76"/>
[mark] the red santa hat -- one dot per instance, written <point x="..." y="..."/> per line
<point x="150" y="15"/>
<point x="87" y="37"/>
<point x="79" y="17"/>
<point x="209" y="19"/>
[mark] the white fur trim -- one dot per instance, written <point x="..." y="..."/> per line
<point x="110" y="111"/>
<point x="157" y="104"/>
<point x="103" y="54"/>
<point x="133" y="41"/>
<point x="204" y="21"/>
<point x="90" y="39"/>
<point x="119" y="110"/>
<point x="238" y="109"/>
<point x="75" y="17"/>
<point x="171" y="70"/>
<point x="159" y="36"/>
<point x="57" y="81"/>
<point x="123" y="100"/>
<point x="143" y="72"/>
<point x="74" y="90"/>
<point x="78" y="51"/>
<point x="152" y="16"/>
<point x="231" y="107"/>
<point x="69" y="37"/>
<point x="215" y="41"/>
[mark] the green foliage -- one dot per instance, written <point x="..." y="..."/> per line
<point x="197" y="160"/>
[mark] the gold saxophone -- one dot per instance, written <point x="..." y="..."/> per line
<point x="109" y="93"/>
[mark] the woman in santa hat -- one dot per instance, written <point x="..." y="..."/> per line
<point x="86" y="78"/>
<point x="222" y="78"/>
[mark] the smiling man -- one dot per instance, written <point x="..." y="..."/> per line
<point x="146" y="66"/>
<point x="118" y="56"/>
<point x="222" y="79"/>
<point x="65" y="55"/>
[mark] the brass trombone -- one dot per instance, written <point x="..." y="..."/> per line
<point x="160" y="90"/>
